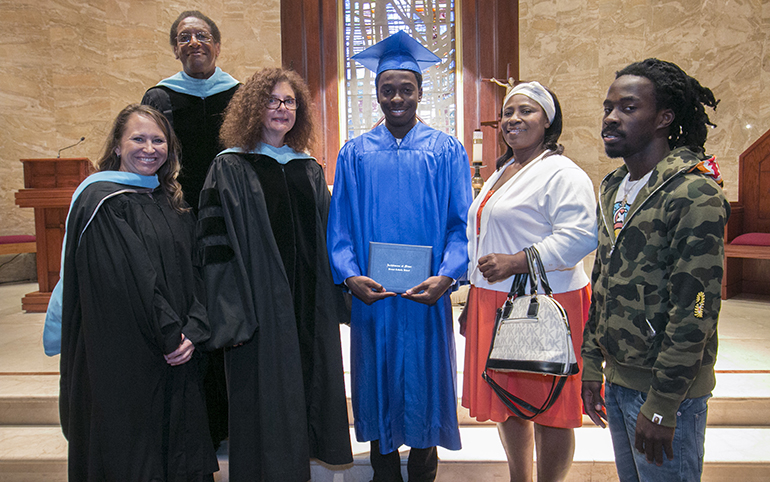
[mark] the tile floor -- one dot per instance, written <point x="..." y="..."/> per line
<point x="744" y="336"/>
<point x="743" y="371"/>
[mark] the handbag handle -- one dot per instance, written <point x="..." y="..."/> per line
<point x="540" y="269"/>
<point x="533" y="272"/>
<point x="536" y="276"/>
<point x="519" y="284"/>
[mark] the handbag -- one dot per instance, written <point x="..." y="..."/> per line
<point x="532" y="335"/>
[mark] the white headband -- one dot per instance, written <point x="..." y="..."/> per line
<point x="536" y="92"/>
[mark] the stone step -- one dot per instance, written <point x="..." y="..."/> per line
<point x="29" y="400"/>
<point x="739" y="400"/>
<point x="38" y="453"/>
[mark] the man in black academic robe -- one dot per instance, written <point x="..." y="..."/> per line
<point x="194" y="101"/>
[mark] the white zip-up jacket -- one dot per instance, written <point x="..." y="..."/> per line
<point x="550" y="204"/>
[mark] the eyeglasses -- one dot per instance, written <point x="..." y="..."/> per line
<point x="184" y="38"/>
<point x="274" y="103"/>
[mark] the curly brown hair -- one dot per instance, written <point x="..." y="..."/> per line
<point x="243" y="122"/>
<point x="167" y="173"/>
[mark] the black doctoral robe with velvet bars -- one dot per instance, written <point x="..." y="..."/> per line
<point x="130" y="291"/>
<point x="262" y="231"/>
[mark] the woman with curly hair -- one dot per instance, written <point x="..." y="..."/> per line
<point x="262" y="234"/>
<point x="131" y="313"/>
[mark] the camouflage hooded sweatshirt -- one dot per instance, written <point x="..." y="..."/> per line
<point x="657" y="286"/>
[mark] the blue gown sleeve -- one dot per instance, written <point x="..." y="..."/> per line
<point x="343" y="209"/>
<point x="454" y="262"/>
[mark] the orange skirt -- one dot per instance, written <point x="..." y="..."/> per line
<point x="479" y="398"/>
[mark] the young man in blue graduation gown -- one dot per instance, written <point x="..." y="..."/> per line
<point x="194" y="101"/>
<point x="403" y="182"/>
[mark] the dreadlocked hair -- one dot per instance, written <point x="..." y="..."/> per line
<point x="684" y="95"/>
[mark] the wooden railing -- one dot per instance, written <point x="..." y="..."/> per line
<point x="747" y="235"/>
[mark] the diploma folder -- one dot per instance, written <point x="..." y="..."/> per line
<point x="398" y="267"/>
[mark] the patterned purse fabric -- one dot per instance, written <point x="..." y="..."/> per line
<point x="532" y="334"/>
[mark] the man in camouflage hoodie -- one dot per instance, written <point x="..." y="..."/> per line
<point x="657" y="275"/>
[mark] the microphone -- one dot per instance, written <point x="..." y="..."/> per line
<point x="58" y="155"/>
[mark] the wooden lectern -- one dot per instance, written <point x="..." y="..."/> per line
<point x="48" y="188"/>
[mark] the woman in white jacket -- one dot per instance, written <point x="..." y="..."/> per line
<point x="537" y="197"/>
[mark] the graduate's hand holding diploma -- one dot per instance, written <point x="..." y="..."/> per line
<point x="430" y="290"/>
<point x="182" y="354"/>
<point x="366" y="289"/>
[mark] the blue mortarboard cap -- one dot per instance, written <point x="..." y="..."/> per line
<point x="397" y="52"/>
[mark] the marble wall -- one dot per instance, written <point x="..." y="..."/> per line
<point x="68" y="66"/>
<point x="576" y="46"/>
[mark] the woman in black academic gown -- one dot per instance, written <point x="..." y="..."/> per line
<point x="271" y="298"/>
<point x="131" y="403"/>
